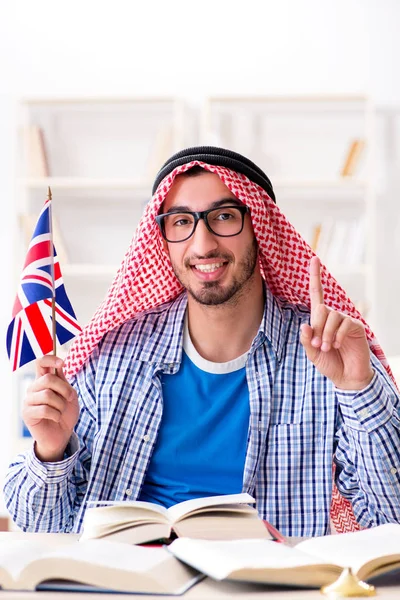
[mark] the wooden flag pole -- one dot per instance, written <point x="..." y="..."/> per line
<point x="53" y="299"/>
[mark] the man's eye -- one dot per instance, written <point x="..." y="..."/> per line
<point x="225" y="216"/>
<point x="181" y="222"/>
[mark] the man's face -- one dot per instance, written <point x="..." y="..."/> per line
<point x="213" y="269"/>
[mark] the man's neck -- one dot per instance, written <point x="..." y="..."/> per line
<point x="224" y="332"/>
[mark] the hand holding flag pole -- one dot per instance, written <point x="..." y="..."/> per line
<point x="42" y="315"/>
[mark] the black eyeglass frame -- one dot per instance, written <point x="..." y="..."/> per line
<point x="202" y="214"/>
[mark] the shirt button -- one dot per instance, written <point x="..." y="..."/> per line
<point x="146" y="438"/>
<point x="58" y="472"/>
<point x="365" y="412"/>
<point x="393" y="470"/>
<point x="128" y="492"/>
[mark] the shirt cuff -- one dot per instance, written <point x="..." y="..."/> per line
<point x="52" y="472"/>
<point x="367" y="409"/>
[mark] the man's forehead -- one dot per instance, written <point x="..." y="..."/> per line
<point x="202" y="188"/>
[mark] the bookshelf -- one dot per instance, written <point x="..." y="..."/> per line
<point x="99" y="156"/>
<point x="319" y="153"/>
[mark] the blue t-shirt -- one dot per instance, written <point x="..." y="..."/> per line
<point x="201" y="446"/>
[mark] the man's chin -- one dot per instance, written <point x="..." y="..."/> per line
<point x="211" y="294"/>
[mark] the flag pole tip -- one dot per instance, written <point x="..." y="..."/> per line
<point x="49" y="193"/>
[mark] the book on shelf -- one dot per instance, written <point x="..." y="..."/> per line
<point x="97" y="565"/>
<point x="353" y="158"/>
<point x="335" y="253"/>
<point x="36" y="152"/>
<point x="324" y="238"/>
<point x="342" y="242"/>
<point x="214" y="517"/>
<point x="315" y="236"/>
<point x="355" y="254"/>
<point x="313" y="563"/>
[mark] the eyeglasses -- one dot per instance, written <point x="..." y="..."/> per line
<point x="225" y="221"/>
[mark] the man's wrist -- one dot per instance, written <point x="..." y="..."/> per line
<point x="45" y="456"/>
<point x="356" y="386"/>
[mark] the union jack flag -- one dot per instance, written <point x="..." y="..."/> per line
<point x="29" y="334"/>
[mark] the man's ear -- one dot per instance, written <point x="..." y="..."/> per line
<point x="165" y="246"/>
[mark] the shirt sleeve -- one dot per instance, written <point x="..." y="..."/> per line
<point x="367" y="449"/>
<point x="46" y="496"/>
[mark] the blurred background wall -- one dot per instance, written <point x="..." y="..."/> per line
<point x="193" y="50"/>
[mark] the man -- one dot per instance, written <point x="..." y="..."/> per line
<point x="214" y="366"/>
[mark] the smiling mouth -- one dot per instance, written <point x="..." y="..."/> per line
<point x="210" y="268"/>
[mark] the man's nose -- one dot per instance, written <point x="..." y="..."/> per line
<point x="203" y="241"/>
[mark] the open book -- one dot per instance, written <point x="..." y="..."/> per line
<point x="98" y="564"/>
<point x="312" y="563"/>
<point x="213" y="518"/>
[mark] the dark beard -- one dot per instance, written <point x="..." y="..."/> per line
<point x="213" y="294"/>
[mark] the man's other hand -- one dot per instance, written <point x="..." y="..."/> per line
<point x="335" y="343"/>
<point x="51" y="409"/>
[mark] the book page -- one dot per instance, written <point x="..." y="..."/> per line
<point x="218" y="559"/>
<point x="355" y="549"/>
<point x="197" y="504"/>
<point x="15" y="555"/>
<point x="129" y="504"/>
<point x="102" y="520"/>
<point x="222" y="525"/>
<point x="110" y="565"/>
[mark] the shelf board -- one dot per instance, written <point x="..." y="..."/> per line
<point x="340" y="269"/>
<point x="89" y="270"/>
<point x="290" y="98"/>
<point x="344" y="184"/>
<point x="349" y="183"/>
<point x="100" y="100"/>
<point x="79" y="183"/>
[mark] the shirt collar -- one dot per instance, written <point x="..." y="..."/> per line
<point x="272" y="325"/>
<point x="169" y="351"/>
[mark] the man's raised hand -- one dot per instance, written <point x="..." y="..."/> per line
<point x="51" y="409"/>
<point x="335" y="343"/>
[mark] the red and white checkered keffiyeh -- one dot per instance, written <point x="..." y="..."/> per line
<point x="145" y="279"/>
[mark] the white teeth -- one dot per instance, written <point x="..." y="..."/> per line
<point x="208" y="268"/>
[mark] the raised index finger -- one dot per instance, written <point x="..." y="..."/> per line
<point x="316" y="291"/>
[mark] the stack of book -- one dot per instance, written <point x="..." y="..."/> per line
<point x="243" y="551"/>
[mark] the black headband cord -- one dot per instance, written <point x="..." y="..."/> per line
<point x="218" y="157"/>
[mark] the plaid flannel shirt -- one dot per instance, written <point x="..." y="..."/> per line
<point x="299" y="424"/>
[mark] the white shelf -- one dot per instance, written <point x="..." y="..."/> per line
<point x="82" y="183"/>
<point x="89" y="270"/>
<point x="303" y="144"/>
<point x="338" y="184"/>
<point x="332" y="190"/>
<point x="340" y="270"/>
<point x="314" y="99"/>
